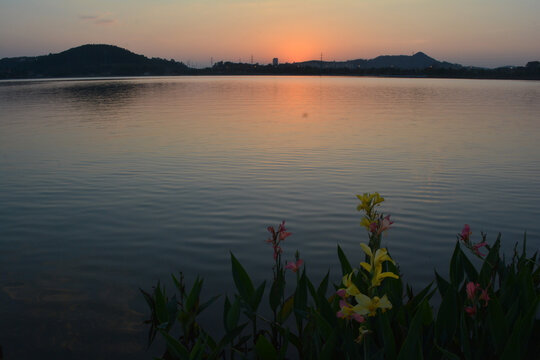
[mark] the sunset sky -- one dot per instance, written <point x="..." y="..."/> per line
<point x="470" y="32"/>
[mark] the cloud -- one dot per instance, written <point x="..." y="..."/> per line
<point x="88" y="17"/>
<point x="104" y="19"/>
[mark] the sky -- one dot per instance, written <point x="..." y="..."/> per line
<point x="486" y="33"/>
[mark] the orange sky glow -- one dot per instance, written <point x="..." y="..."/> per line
<point x="470" y="32"/>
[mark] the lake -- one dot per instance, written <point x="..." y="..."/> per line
<point x="108" y="185"/>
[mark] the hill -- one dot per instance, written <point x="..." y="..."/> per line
<point x="89" y="60"/>
<point x="405" y="62"/>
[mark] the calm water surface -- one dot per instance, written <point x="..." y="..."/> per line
<point x="109" y="185"/>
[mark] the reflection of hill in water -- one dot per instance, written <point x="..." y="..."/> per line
<point x="96" y="96"/>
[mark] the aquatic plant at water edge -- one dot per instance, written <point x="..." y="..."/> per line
<point x="487" y="312"/>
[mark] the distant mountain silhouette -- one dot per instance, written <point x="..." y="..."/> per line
<point x="89" y="60"/>
<point x="110" y="60"/>
<point x="406" y="62"/>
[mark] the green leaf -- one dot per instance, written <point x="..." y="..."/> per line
<point x="516" y="346"/>
<point x="312" y="290"/>
<point x="490" y="262"/>
<point x="464" y="336"/>
<point x="232" y="316"/>
<point x="417" y="300"/>
<point x="346" y="267"/>
<point x="411" y="346"/>
<point x="197" y="351"/>
<point x="442" y="284"/>
<point x="208" y="303"/>
<point x="257" y="297"/>
<point x="326" y="311"/>
<point x="242" y="280"/>
<point x="175" y="347"/>
<point x="446" y="323"/>
<point x="329" y="346"/>
<point x="276" y="292"/>
<point x="387" y="334"/>
<point x="284" y="345"/>
<point x="286" y="309"/>
<point x="300" y="297"/>
<point x="470" y="270"/>
<point x="264" y="349"/>
<point x="323" y="326"/>
<point x="194" y="294"/>
<point x="447" y="354"/>
<point x="497" y="324"/>
<point x="162" y="312"/>
<point x="323" y="287"/>
<point x="456" y="268"/>
<point x="226" y="309"/>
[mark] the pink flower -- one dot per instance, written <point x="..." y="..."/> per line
<point x="385" y="224"/>
<point x="345" y="309"/>
<point x="471" y="310"/>
<point x="466" y="233"/>
<point x="380" y="226"/>
<point x="277" y="251"/>
<point x="342" y="293"/>
<point x="347" y="312"/>
<point x="478" y="246"/>
<point x="471" y="290"/>
<point x="281" y="227"/>
<point x="485" y="296"/>
<point x="358" y="317"/>
<point x="283" y="235"/>
<point x="295" y="266"/>
<point x="271" y="230"/>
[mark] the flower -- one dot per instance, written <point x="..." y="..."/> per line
<point x="366" y="223"/>
<point x="368" y="306"/>
<point x="368" y="201"/>
<point x="363" y="331"/>
<point x="485" y="296"/>
<point x="385" y="224"/>
<point x="379" y="276"/>
<point x="373" y="227"/>
<point x="342" y="293"/>
<point x="475" y="248"/>
<point x="350" y="288"/>
<point x="379" y="226"/>
<point x="294" y="266"/>
<point x="277" y="251"/>
<point x="283" y="235"/>
<point x="381" y="255"/>
<point x="375" y="265"/>
<point x="277" y="237"/>
<point x="472" y="294"/>
<point x="348" y="312"/>
<point x="471" y="310"/>
<point x="471" y="289"/>
<point x="465" y="233"/>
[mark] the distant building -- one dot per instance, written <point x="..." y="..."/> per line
<point x="275" y="61"/>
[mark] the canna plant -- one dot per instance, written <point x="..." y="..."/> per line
<point x="486" y="313"/>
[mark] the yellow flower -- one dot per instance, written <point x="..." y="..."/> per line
<point x="365" y="222"/>
<point x="368" y="306"/>
<point x="381" y="255"/>
<point x="350" y="288"/>
<point x="368" y="201"/>
<point x="363" y="332"/>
